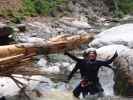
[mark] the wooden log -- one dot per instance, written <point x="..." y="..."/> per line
<point x="60" y="43"/>
<point x="17" y="58"/>
<point x="67" y="42"/>
<point x="53" y="45"/>
<point x="12" y="50"/>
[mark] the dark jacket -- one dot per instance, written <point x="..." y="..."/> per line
<point x="89" y="69"/>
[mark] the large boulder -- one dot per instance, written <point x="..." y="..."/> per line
<point x="117" y="35"/>
<point x="9" y="88"/>
<point x="123" y="75"/>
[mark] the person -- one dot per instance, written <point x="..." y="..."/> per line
<point x="2" y="98"/>
<point x="88" y="67"/>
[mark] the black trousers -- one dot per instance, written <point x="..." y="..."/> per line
<point x="2" y="98"/>
<point x="92" y="89"/>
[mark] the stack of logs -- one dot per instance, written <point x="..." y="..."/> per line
<point x="17" y="58"/>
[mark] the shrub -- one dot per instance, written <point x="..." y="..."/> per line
<point x="126" y="6"/>
<point x="122" y="7"/>
<point x="28" y="8"/>
<point x="45" y="7"/>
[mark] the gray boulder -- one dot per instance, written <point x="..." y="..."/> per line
<point x="121" y="35"/>
<point x="123" y="73"/>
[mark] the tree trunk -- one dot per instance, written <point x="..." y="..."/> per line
<point x="17" y="58"/>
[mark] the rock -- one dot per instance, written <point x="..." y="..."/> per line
<point x="40" y="25"/>
<point x="124" y="74"/>
<point x="8" y="87"/>
<point x="108" y="51"/>
<point x="88" y="8"/>
<point x="53" y="69"/>
<point x="42" y="62"/>
<point x="21" y="27"/>
<point x="117" y="35"/>
<point x="76" y="23"/>
<point x="105" y="52"/>
<point x="5" y="30"/>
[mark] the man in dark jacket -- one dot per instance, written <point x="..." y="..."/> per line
<point x="89" y="67"/>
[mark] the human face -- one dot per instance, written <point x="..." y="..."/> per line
<point x="91" y="56"/>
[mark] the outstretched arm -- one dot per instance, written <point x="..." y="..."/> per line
<point x="72" y="72"/>
<point x="109" y="66"/>
<point x="110" y="60"/>
<point x="72" y="56"/>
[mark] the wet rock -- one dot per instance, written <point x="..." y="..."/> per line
<point x="9" y="88"/>
<point x="42" y="62"/>
<point x="5" y="30"/>
<point x="21" y="27"/>
<point x="117" y="35"/>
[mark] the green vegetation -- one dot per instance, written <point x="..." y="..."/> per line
<point x="47" y="7"/>
<point x="122" y="7"/>
<point x="41" y="7"/>
<point x="44" y="7"/>
<point x="126" y="6"/>
<point x="31" y="8"/>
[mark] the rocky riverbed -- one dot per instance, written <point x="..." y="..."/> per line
<point x="44" y="28"/>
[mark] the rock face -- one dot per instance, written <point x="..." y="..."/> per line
<point x="117" y="35"/>
<point x="124" y="74"/>
<point x="5" y="30"/>
<point x="90" y="8"/>
<point x="65" y="25"/>
<point x="118" y="38"/>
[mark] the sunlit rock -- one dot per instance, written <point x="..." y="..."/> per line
<point x="121" y="35"/>
<point x="9" y="88"/>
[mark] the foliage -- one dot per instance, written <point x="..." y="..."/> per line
<point x="43" y="7"/>
<point x="126" y="5"/>
<point x="28" y="7"/>
<point x="31" y="8"/>
<point x="122" y="7"/>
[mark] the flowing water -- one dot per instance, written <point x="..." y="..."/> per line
<point x="63" y="91"/>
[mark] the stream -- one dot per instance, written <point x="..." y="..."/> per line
<point x="58" y="90"/>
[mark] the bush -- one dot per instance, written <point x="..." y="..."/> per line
<point x="122" y="7"/>
<point x="45" y="7"/>
<point x="126" y="6"/>
<point x="28" y="8"/>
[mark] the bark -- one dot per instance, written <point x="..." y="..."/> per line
<point x="17" y="58"/>
<point x="60" y="43"/>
